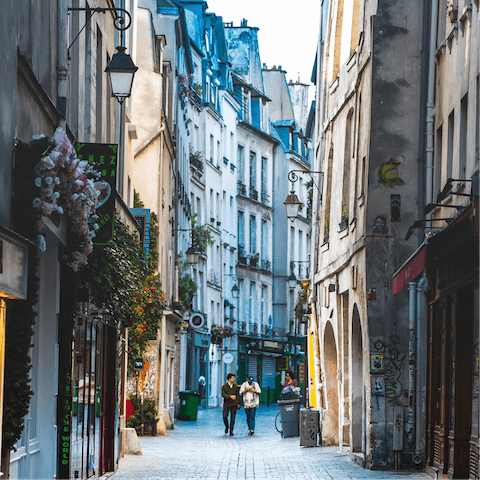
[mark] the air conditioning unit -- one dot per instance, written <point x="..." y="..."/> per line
<point x="197" y="320"/>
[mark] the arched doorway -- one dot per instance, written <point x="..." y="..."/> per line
<point x="357" y="383"/>
<point x="330" y="418"/>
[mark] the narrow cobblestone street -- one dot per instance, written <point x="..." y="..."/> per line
<point x="201" y="450"/>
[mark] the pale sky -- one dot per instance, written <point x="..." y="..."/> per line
<point x="288" y="31"/>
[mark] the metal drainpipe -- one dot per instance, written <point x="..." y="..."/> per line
<point x="410" y="424"/>
<point x="421" y="387"/>
<point x="429" y="133"/>
<point x="62" y="61"/>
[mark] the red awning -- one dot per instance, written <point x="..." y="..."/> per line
<point x="413" y="267"/>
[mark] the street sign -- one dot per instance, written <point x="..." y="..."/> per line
<point x="228" y="358"/>
<point x="138" y="364"/>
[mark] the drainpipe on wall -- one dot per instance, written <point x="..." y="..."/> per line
<point x="429" y="133"/>
<point x="62" y="61"/>
<point x="410" y="424"/>
<point x="421" y="386"/>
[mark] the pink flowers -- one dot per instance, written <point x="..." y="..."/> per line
<point x="66" y="184"/>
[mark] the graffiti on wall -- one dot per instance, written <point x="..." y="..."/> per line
<point x="393" y="361"/>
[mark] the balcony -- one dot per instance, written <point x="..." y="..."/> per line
<point x="242" y="189"/>
<point x="253" y="194"/>
<point x="265" y="329"/>
<point x="265" y="198"/>
<point x="196" y="162"/>
<point x="266" y="265"/>
<point x="242" y="327"/>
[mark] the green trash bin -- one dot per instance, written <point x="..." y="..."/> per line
<point x="188" y="404"/>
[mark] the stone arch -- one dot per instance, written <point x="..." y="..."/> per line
<point x="358" y="400"/>
<point x="330" y="416"/>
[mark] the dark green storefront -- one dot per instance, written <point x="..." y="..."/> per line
<point x="265" y="360"/>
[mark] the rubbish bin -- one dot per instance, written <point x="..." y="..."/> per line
<point x="289" y="413"/>
<point x="188" y="404"/>
<point x="309" y="427"/>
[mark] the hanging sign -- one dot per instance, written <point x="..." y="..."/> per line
<point x="104" y="157"/>
<point x="228" y="358"/>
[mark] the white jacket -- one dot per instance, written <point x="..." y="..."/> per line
<point x="250" y="399"/>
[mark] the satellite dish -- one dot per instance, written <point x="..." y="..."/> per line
<point x="197" y="320"/>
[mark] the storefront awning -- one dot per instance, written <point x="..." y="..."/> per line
<point x="413" y="267"/>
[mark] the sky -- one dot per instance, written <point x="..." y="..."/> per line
<point x="288" y="31"/>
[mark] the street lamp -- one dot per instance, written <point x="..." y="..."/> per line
<point x="235" y="291"/>
<point x="292" y="281"/>
<point x="292" y="204"/>
<point x="193" y="254"/>
<point x="121" y="71"/>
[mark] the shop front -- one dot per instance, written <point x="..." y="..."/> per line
<point x="264" y="360"/>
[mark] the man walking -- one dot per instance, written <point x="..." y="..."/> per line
<point x="231" y="402"/>
<point x="251" y="400"/>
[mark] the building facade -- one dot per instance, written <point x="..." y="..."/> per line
<point x="369" y="139"/>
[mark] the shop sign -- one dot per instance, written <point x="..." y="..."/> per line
<point x="228" y="358"/>
<point x="411" y="270"/>
<point x="104" y="157"/>
<point x="201" y="340"/>
<point x="142" y="216"/>
<point x="13" y="265"/>
<point x="138" y="364"/>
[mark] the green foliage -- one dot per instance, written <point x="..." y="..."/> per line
<point x="344" y="210"/>
<point x="128" y="287"/>
<point x="150" y="413"/>
<point x="202" y="235"/>
<point x="137" y="202"/>
<point x="186" y="291"/>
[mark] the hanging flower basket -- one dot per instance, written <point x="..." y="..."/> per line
<point x="452" y="12"/>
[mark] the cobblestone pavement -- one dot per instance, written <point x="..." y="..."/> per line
<point x="201" y="450"/>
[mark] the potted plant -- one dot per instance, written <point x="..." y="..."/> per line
<point x="452" y="12"/>
<point x="344" y="221"/>
<point x="255" y="260"/>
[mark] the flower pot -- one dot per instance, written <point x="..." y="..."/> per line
<point x="453" y="15"/>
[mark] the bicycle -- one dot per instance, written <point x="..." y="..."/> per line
<point x="278" y="423"/>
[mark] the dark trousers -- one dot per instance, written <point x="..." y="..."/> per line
<point x="233" y="413"/>
<point x="250" y="412"/>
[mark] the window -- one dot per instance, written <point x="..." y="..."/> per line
<point x="241" y="300"/>
<point x="264" y="176"/>
<point x="232" y="147"/>
<point x="212" y="215"/>
<point x="437" y="163"/>
<point x="219" y="153"/>
<point x="264" y="251"/>
<point x="346" y="166"/>
<point x="451" y="131"/>
<point x="241" y="231"/>
<point x="211" y="148"/>
<point x="253" y="170"/>
<point x="252" y="302"/>
<point x="263" y="309"/>
<point x="253" y="234"/>
<point x="241" y="164"/>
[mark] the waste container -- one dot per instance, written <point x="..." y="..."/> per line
<point x="289" y="413"/>
<point x="309" y="430"/>
<point x="188" y="404"/>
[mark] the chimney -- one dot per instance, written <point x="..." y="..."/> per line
<point x="244" y="23"/>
